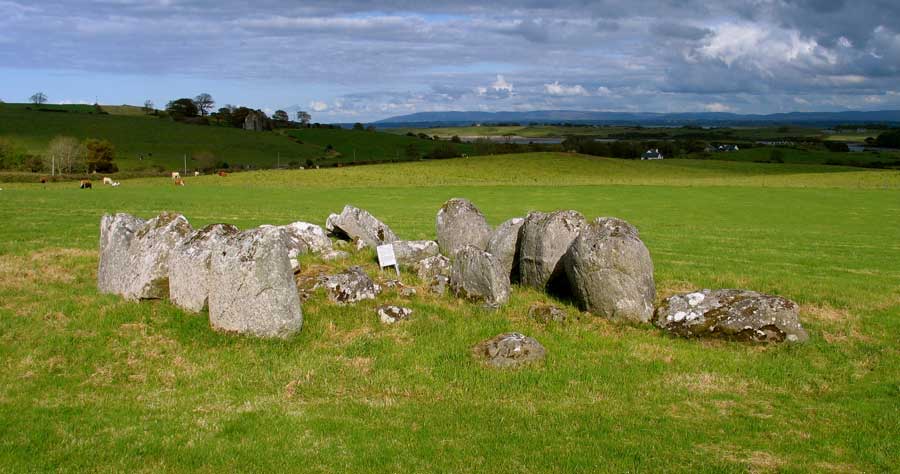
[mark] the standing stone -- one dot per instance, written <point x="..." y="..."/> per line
<point x="430" y="267"/>
<point x="252" y="289"/>
<point x="409" y="252"/>
<point x="116" y="233"/>
<point x="357" y="224"/>
<point x="510" y="349"/>
<point x="350" y="286"/>
<point x="302" y="238"/>
<point x="256" y="121"/>
<point x="476" y="275"/>
<point x="460" y="223"/>
<point x="610" y="271"/>
<point x="189" y="266"/>
<point x="504" y="244"/>
<point x="543" y="244"/>
<point x="142" y="270"/>
<point x="740" y="315"/>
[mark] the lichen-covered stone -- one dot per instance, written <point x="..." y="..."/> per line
<point x="545" y="313"/>
<point x="510" y="349"/>
<point x="252" y="289"/>
<point x="477" y="276"/>
<point x="460" y="223"/>
<point x="610" y="271"/>
<point x="116" y="233"/>
<point x="350" y="286"/>
<point x="357" y="224"/>
<point x="504" y="245"/>
<point x="189" y="266"/>
<point x="428" y="268"/>
<point x="390" y="314"/>
<point x="303" y="238"/>
<point x="409" y="252"/>
<point x="740" y="315"/>
<point x="545" y="239"/>
<point x="142" y="270"/>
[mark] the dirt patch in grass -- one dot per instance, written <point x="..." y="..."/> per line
<point x="706" y="383"/>
<point x="838" y="326"/>
<point x="755" y="461"/>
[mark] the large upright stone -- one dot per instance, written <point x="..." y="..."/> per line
<point x="189" y="266"/>
<point x="410" y="252"/>
<point x="252" y="289"/>
<point x="354" y="223"/>
<point x="476" y="275"/>
<point x="740" y="315"/>
<point x="460" y="223"/>
<point x="545" y="239"/>
<point x="504" y="244"/>
<point x="610" y="271"/>
<point x="116" y="234"/>
<point x="140" y="271"/>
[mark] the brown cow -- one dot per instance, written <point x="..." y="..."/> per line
<point x="85" y="184"/>
<point x="179" y="182"/>
<point x="43" y="180"/>
<point x="223" y="174"/>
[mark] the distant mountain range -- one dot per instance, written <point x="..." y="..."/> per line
<point x="640" y="118"/>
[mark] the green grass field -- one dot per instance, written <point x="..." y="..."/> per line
<point x="806" y="156"/>
<point x="165" y="143"/>
<point x="548" y="131"/>
<point x="90" y="382"/>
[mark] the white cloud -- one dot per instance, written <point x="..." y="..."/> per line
<point x="501" y="85"/>
<point x="718" y="107"/>
<point x="556" y="88"/>
<point x="604" y="91"/>
<point x="762" y="47"/>
<point x="318" y="106"/>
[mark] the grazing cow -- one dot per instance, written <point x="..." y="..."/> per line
<point x="176" y="175"/>
<point x="116" y="184"/>
<point x="85" y="184"/>
<point x="107" y="180"/>
<point x="196" y="173"/>
<point x="223" y="174"/>
<point x="179" y="182"/>
<point x="43" y="180"/>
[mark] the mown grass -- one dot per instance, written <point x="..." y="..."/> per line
<point x="91" y="382"/>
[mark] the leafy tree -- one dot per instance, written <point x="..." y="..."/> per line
<point x="204" y="103"/>
<point x="205" y="160"/>
<point x="181" y="108"/>
<point x="280" y="116"/>
<point x="303" y="117"/>
<point x="38" y="98"/>
<point x="100" y="156"/>
<point x="839" y="147"/>
<point x="238" y="116"/>
<point x="148" y="107"/>
<point x="370" y="128"/>
<point x="358" y="126"/>
<point x="64" y="155"/>
<point x="889" y="139"/>
<point x="411" y="152"/>
<point x="456" y="139"/>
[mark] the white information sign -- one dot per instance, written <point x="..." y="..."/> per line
<point x="386" y="257"/>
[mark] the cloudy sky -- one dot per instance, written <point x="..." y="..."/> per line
<point x="346" y="60"/>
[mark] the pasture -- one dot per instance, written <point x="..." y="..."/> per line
<point x="90" y="382"/>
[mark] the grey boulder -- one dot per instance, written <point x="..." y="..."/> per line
<point x="409" y="252"/>
<point x="544" y="242"/>
<point x="430" y="267"/>
<point x="189" y="266"/>
<point x="504" y="244"/>
<point x="478" y="276"/>
<point x="251" y="288"/>
<point x="116" y="234"/>
<point x="390" y="314"/>
<point x="350" y="286"/>
<point x="610" y="271"/>
<point x="740" y="315"/>
<point x="140" y="270"/>
<point x="508" y="350"/>
<point x="303" y="238"/>
<point x="358" y="224"/>
<point x="460" y="223"/>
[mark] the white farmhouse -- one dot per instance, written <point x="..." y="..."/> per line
<point x="652" y="154"/>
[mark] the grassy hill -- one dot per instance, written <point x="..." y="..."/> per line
<point x="93" y="383"/>
<point x="164" y="143"/>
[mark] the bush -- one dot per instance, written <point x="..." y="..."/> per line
<point x="776" y="156"/>
<point x="838" y="147"/>
<point x="100" y="156"/>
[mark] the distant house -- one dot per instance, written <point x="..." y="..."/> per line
<point x="726" y="148"/>
<point x="652" y="154"/>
